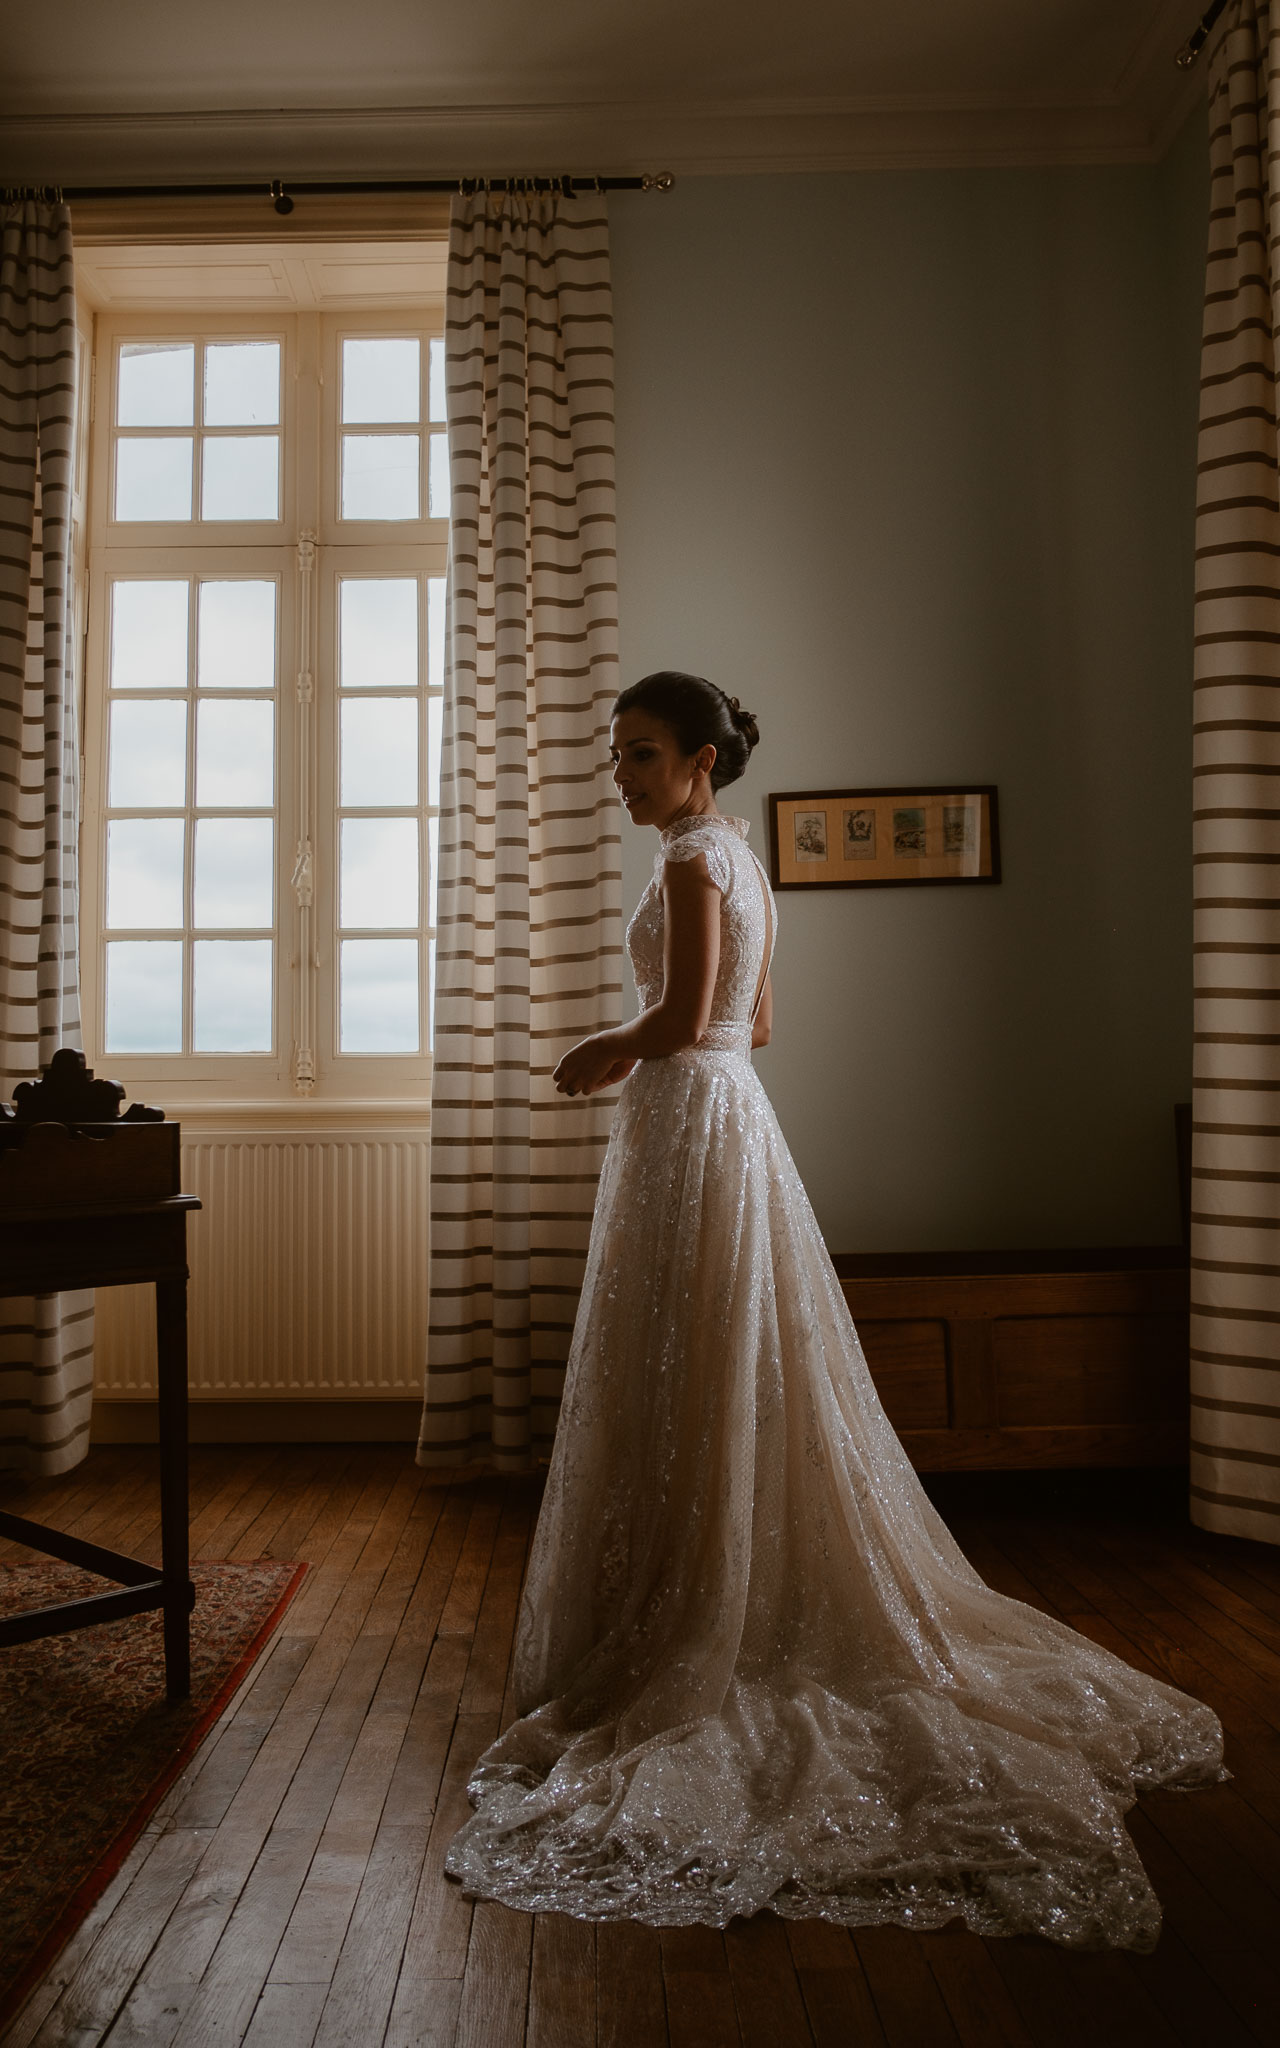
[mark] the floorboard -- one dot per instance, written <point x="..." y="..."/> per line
<point x="289" y="1891"/>
<point x="833" y="1984"/>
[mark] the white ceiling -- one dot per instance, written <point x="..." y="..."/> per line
<point x="144" y="88"/>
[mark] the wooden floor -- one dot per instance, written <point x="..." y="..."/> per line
<point x="289" y="1892"/>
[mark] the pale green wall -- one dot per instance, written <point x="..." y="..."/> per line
<point x="906" y="462"/>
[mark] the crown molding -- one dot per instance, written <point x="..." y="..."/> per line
<point x="690" y="138"/>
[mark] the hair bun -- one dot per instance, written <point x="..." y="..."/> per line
<point x="745" y="723"/>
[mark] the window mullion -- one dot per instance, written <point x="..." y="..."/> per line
<point x="303" y="408"/>
<point x="189" y="825"/>
<point x="303" y="880"/>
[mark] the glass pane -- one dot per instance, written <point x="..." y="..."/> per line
<point x="236" y="649"/>
<point x="231" y="995"/>
<point x="435" y="380"/>
<point x="144" y="874"/>
<point x="157" y="379"/>
<point x="379" y="1003"/>
<point x="435" y="632"/>
<point x="380" y="381"/>
<point x="233" y="873"/>
<point x="431" y="991"/>
<point x="241" y="477"/>
<point x="379" y="631"/>
<point x="379" y="873"/>
<point x="433" y="867"/>
<point x="435" y="739"/>
<point x="144" y="995"/>
<point x="148" y="755"/>
<point x="380" y="476"/>
<point x="149" y="636"/>
<point x="438" y="494"/>
<point x="235" y="753"/>
<point x="153" y="478"/>
<point x="379" y="751"/>
<point x="242" y="384"/>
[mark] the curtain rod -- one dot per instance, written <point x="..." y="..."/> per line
<point x="1199" y="36"/>
<point x="283" y="200"/>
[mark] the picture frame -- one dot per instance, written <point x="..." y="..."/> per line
<point x="885" y="837"/>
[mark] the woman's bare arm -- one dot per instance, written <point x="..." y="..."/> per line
<point x="690" y="961"/>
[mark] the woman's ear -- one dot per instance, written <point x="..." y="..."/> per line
<point x="705" y="759"/>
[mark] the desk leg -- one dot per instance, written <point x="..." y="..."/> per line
<point x="171" y="1347"/>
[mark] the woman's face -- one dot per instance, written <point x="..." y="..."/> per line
<point x="656" y="782"/>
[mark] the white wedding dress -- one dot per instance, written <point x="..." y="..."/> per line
<point x="753" y="1666"/>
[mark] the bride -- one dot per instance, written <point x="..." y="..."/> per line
<point x="753" y="1667"/>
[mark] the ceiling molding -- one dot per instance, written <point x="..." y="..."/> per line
<point x="101" y="95"/>
<point x="619" y="139"/>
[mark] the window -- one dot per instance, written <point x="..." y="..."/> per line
<point x="268" y="533"/>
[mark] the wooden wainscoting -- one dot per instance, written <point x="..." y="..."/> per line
<point x="988" y="1359"/>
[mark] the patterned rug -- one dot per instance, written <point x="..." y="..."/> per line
<point x="89" y="1744"/>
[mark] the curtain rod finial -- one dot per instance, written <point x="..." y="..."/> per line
<point x="659" y="181"/>
<point x="1187" y="55"/>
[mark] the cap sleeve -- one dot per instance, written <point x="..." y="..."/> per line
<point x="688" y="845"/>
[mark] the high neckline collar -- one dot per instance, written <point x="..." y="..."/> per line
<point x="738" y="826"/>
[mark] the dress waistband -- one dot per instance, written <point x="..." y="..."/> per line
<point x="724" y="1038"/>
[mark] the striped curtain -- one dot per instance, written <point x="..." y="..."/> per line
<point x="46" y="1344"/>
<point x="528" y="918"/>
<point x="1235" y="1229"/>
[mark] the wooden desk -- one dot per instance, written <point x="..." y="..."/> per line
<point x="47" y="1251"/>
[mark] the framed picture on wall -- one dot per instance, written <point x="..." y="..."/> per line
<point x="872" y="838"/>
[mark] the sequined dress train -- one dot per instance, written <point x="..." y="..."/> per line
<point x="752" y="1665"/>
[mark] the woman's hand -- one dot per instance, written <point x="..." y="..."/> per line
<point x="589" y="1066"/>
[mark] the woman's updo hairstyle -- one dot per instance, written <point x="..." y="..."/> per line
<point x="699" y="714"/>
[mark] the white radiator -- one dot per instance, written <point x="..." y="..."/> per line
<point x="308" y="1269"/>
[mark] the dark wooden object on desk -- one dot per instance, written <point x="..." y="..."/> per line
<point x="1019" y="1359"/>
<point x="91" y="1199"/>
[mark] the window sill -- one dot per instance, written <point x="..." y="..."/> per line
<point x="348" y="1113"/>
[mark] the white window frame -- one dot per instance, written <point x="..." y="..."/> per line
<point x="308" y="548"/>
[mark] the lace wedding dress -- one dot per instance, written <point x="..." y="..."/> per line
<point x="753" y="1666"/>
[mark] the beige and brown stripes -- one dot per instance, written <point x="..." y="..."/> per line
<point x="1235" y="1222"/>
<point x="46" y="1344"/>
<point x="528" y="897"/>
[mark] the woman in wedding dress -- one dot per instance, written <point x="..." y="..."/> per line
<point x="752" y="1665"/>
